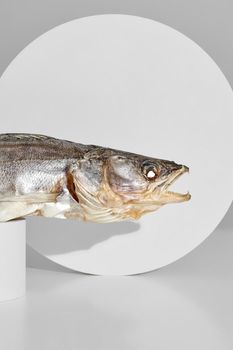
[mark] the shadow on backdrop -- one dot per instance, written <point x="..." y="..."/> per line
<point x="51" y="234"/>
<point x="54" y="236"/>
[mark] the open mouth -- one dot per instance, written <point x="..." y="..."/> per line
<point x="175" y="197"/>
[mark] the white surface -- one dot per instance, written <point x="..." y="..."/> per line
<point x="187" y="305"/>
<point x="12" y="259"/>
<point x="134" y="84"/>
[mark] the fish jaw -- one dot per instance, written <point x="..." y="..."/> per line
<point x="165" y="196"/>
<point x="174" y="197"/>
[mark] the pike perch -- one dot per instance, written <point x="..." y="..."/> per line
<point x="45" y="176"/>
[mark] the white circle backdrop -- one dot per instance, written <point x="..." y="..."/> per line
<point x="133" y="84"/>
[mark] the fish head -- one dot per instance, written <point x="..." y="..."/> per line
<point x="114" y="185"/>
<point x="142" y="183"/>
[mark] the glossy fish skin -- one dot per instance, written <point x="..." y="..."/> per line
<point x="41" y="175"/>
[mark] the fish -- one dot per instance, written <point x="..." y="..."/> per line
<point x="45" y="176"/>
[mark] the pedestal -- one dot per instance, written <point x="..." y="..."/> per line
<point x="12" y="259"/>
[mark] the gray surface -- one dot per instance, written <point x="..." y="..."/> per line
<point x="187" y="305"/>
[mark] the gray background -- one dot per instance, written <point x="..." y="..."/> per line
<point x="187" y="305"/>
<point x="208" y="23"/>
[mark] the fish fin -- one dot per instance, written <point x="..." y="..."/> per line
<point x="15" y="210"/>
<point x="12" y="207"/>
<point x="31" y="198"/>
<point x="71" y="186"/>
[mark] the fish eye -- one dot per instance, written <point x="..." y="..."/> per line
<point x="150" y="171"/>
<point x="151" y="174"/>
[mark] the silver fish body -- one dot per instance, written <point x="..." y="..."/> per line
<point x="41" y="175"/>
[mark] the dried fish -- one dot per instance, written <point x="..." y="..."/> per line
<point x="45" y="176"/>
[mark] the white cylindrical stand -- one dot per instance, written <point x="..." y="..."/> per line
<point x="12" y="259"/>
